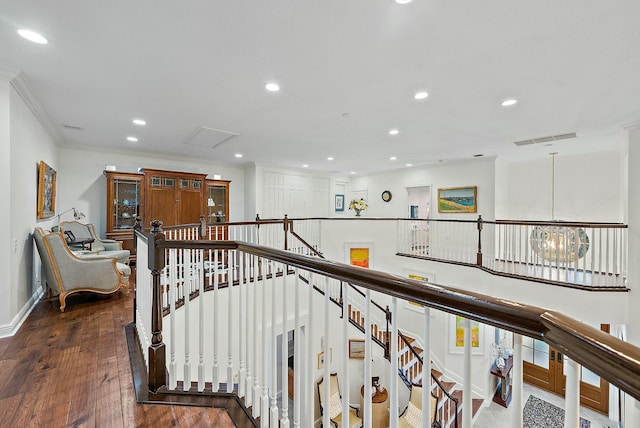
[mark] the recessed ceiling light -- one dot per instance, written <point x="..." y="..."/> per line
<point x="272" y="87"/>
<point x="420" y="95"/>
<point x="409" y="164"/>
<point x="509" y="102"/>
<point x="139" y="122"/>
<point x="352" y="172"/>
<point x="330" y="158"/>
<point x="393" y="158"/>
<point x="132" y="139"/>
<point x="393" y="132"/>
<point x="403" y="1"/>
<point x="238" y="155"/>
<point x="305" y="166"/>
<point x="33" y="36"/>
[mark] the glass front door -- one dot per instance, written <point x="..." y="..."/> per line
<point x="544" y="366"/>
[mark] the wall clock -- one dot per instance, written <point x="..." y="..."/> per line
<point x="386" y="196"/>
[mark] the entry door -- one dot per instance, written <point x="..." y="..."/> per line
<point x="544" y="367"/>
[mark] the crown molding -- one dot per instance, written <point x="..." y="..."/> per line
<point x="22" y="87"/>
<point x="632" y="126"/>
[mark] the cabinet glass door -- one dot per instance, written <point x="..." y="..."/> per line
<point x="217" y="204"/>
<point x="126" y="203"/>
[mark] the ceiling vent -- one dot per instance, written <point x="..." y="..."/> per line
<point x="545" y="139"/>
<point x="71" y="127"/>
<point x="209" y="138"/>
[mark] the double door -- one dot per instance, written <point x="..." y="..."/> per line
<point x="545" y="367"/>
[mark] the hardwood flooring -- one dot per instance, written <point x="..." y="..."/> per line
<point x="72" y="369"/>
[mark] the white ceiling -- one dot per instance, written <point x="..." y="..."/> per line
<point x="348" y="70"/>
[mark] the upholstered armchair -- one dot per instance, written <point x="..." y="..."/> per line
<point x="412" y="415"/>
<point x="66" y="273"/>
<point x="333" y="404"/>
<point x="101" y="247"/>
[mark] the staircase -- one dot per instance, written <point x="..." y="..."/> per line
<point x="410" y="358"/>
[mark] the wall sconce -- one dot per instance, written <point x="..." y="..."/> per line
<point x="77" y="215"/>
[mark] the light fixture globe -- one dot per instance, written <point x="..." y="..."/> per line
<point x="559" y="244"/>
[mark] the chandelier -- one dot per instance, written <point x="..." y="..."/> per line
<point x="558" y="243"/>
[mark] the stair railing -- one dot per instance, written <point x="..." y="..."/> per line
<point x="448" y="417"/>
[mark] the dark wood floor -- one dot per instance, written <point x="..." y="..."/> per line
<point x="72" y="369"/>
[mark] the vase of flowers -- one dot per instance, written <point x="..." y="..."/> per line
<point x="358" y="205"/>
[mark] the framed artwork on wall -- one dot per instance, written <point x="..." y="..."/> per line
<point x="458" y="199"/>
<point x="356" y="349"/>
<point x="456" y="336"/>
<point x="339" y="203"/>
<point x="46" y="206"/>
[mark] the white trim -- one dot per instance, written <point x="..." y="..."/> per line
<point x="23" y="88"/>
<point x="12" y="328"/>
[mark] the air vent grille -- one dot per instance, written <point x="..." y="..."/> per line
<point x="548" y="139"/>
<point x="73" y="128"/>
<point x="211" y="138"/>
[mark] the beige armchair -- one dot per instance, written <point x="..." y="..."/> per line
<point x="66" y="273"/>
<point x="334" y="404"/>
<point x="101" y="247"/>
<point x="412" y="415"/>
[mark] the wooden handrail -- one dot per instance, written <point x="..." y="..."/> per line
<point x="614" y="360"/>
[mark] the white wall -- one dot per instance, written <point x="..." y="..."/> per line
<point x="82" y="184"/>
<point x="588" y="186"/>
<point x="477" y="172"/>
<point x="24" y="143"/>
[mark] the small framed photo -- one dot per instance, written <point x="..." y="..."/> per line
<point x="356" y="349"/>
<point x="321" y="358"/>
<point x="339" y="202"/>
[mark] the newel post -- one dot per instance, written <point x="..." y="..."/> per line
<point x="157" y="351"/>
<point x="479" y="255"/>
<point x="286" y="230"/>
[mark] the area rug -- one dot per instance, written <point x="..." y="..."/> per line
<point x="538" y="413"/>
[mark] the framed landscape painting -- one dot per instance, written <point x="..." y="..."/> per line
<point x="46" y="207"/>
<point x="458" y="200"/>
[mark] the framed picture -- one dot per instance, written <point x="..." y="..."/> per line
<point x="418" y="276"/>
<point x="321" y="358"/>
<point x="456" y="336"/>
<point x="339" y="202"/>
<point x="356" y="349"/>
<point x="46" y="207"/>
<point x="458" y="200"/>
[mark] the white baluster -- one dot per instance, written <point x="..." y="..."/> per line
<point x="346" y="387"/>
<point x="327" y="357"/>
<point x="230" y="278"/>
<point x="426" y="370"/>
<point x="169" y="276"/>
<point x="200" y="278"/>
<point x="186" y="287"/>
<point x="242" y="325"/>
<point x="215" y="382"/>
<point x="273" y="410"/>
<point x="297" y="367"/>
<point x="572" y="395"/>
<point x="310" y="381"/>
<point x="466" y="389"/>
<point x="393" y="375"/>
<point x="517" y="391"/>
<point x="250" y="315"/>
<point x="264" y="375"/>
<point x="367" y="356"/>
<point x="284" y="421"/>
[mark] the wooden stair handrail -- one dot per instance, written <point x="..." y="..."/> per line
<point x="614" y="360"/>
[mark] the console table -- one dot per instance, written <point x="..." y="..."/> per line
<point x="503" y="393"/>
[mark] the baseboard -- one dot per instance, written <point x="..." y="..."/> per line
<point x="10" y="329"/>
